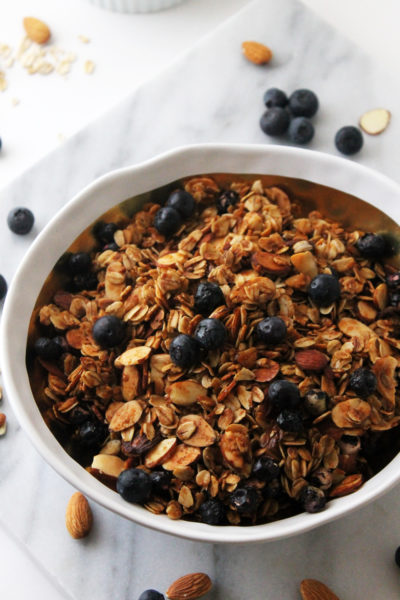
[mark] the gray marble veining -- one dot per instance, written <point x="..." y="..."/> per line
<point x="210" y="94"/>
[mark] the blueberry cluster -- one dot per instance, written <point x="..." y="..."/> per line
<point x="179" y="206"/>
<point x="210" y="334"/>
<point x="290" y="115"/>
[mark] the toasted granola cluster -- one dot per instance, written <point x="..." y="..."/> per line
<point x="211" y="439"/>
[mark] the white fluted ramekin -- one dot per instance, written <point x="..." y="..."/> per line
<point x="107" y="192"/>
<point x="135" y="6"/>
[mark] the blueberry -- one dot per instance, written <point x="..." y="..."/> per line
<point x="303" y="103"/>
<point x="363" y="382"/>
<point x="275" y="121"/>
<point x="349" y="140"/>
<point x="104" y="232"/>
<point x="275" y="97"/>
<point x="397" y="557"/>
<point x="134" y="485"/>
<point x="350" y="444"/>
<point x="372" y="245"/>
<point x="167" y="220"/>
<point x="78" y="415"/>
<point x="85" y="281"/>
<point x="208" y="297"/>
<point x="283" y="394"/>
<point x="92" y="434"/>
<point x="183" y="202"/>
<point x="160" y="481"/>
<point x="271" y="330"/>
<point x="316" y="402"/>
<point x="245" y="499"/>
<point x="393" y="280"/>
<point x="324" y="289"/>
<point x="47" y="348"/>
<point x="184" y="351"/>
<point x="108" y="331"/>
<point x="61" y="343"/>
<point x="211" y="334"/>
<point x="3" y="287"/>
<point x="20" y="220"/>
<point x="312" y="499"/>
<point x="79" y="262"/>
<point x="290" y="420"/>
<point x="111" y="246"/>
<point x="265" y="468"/>
<point x="151" y="595"/>
<point x="394" y="299"/>
<point x="212" y="512"/>
<point x="227" y="199"/>
<point x="301" y="130"/>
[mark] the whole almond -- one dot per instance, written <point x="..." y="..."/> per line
<point x="256" y="53"/>
<point x="78" y="516"/>
<point x="311" y="360"/>
<point x="36" y="30"/>
<point x="312" y="589"/>
<point x="189" y="587"/>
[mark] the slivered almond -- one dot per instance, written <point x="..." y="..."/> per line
<point x="160" y="453"/>
<point x="185" y="393"/>
<point x="189" y="587"/>
<point x="130" y="381"/>
<point x="257" y="53"/>
<point x="312" y="589"/>
<point x="203" y="434"/>
<point x="108" y="464"/>
<point x="182" y="456"/>
<point x="78" y="516"/>
<point x="126" y="415"/>
<point x="133" y="356"/>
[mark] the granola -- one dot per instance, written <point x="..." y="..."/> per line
<point x="205" y="432"/>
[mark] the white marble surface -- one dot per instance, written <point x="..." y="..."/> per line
<point x="211" y="94"/>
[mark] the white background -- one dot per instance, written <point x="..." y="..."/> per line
<point x="127" y="50"/>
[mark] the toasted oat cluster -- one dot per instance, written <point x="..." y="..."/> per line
<point x="295" y="404"/>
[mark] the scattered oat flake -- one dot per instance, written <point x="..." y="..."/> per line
<point x="3" y="82"/>
<point x="83" y="39"/>
<point x="89" y="67"/>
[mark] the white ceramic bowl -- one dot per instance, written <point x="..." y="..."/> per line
<point x="135" y="6"/>
<point x="84" y="209"/>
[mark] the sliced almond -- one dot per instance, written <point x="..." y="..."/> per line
<point x="202" y="435"/>
<point x="3" y="424"/>
<point x="182" y="456"/>
<point x="133" y="356"/>
<point x="235" y="448"/>
<point x="350" y="413"/>
<point x="185" y="393"/>
<point x="305" y="263"/>
<point x="108" y="464"/>
<point x="160" y="453"/>
<point x="349" y="485"/>
<point x="312" y="589"/>
<point x="375" y="121"/>
<point x="273" y="264"/>
<point x="130" y="381"/>
<point x="354" y="328"/>
<point x="127" y="415"/>
<point x="189" y="587"/>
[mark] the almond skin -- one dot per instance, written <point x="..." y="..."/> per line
<point x="189" y="587"/>
<point x="312" y="589"/>
<point x="36" y="30"/>
<point x="256" y="53"/>
<point x="78" y="516"/>
<point x="311" y="360"/>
